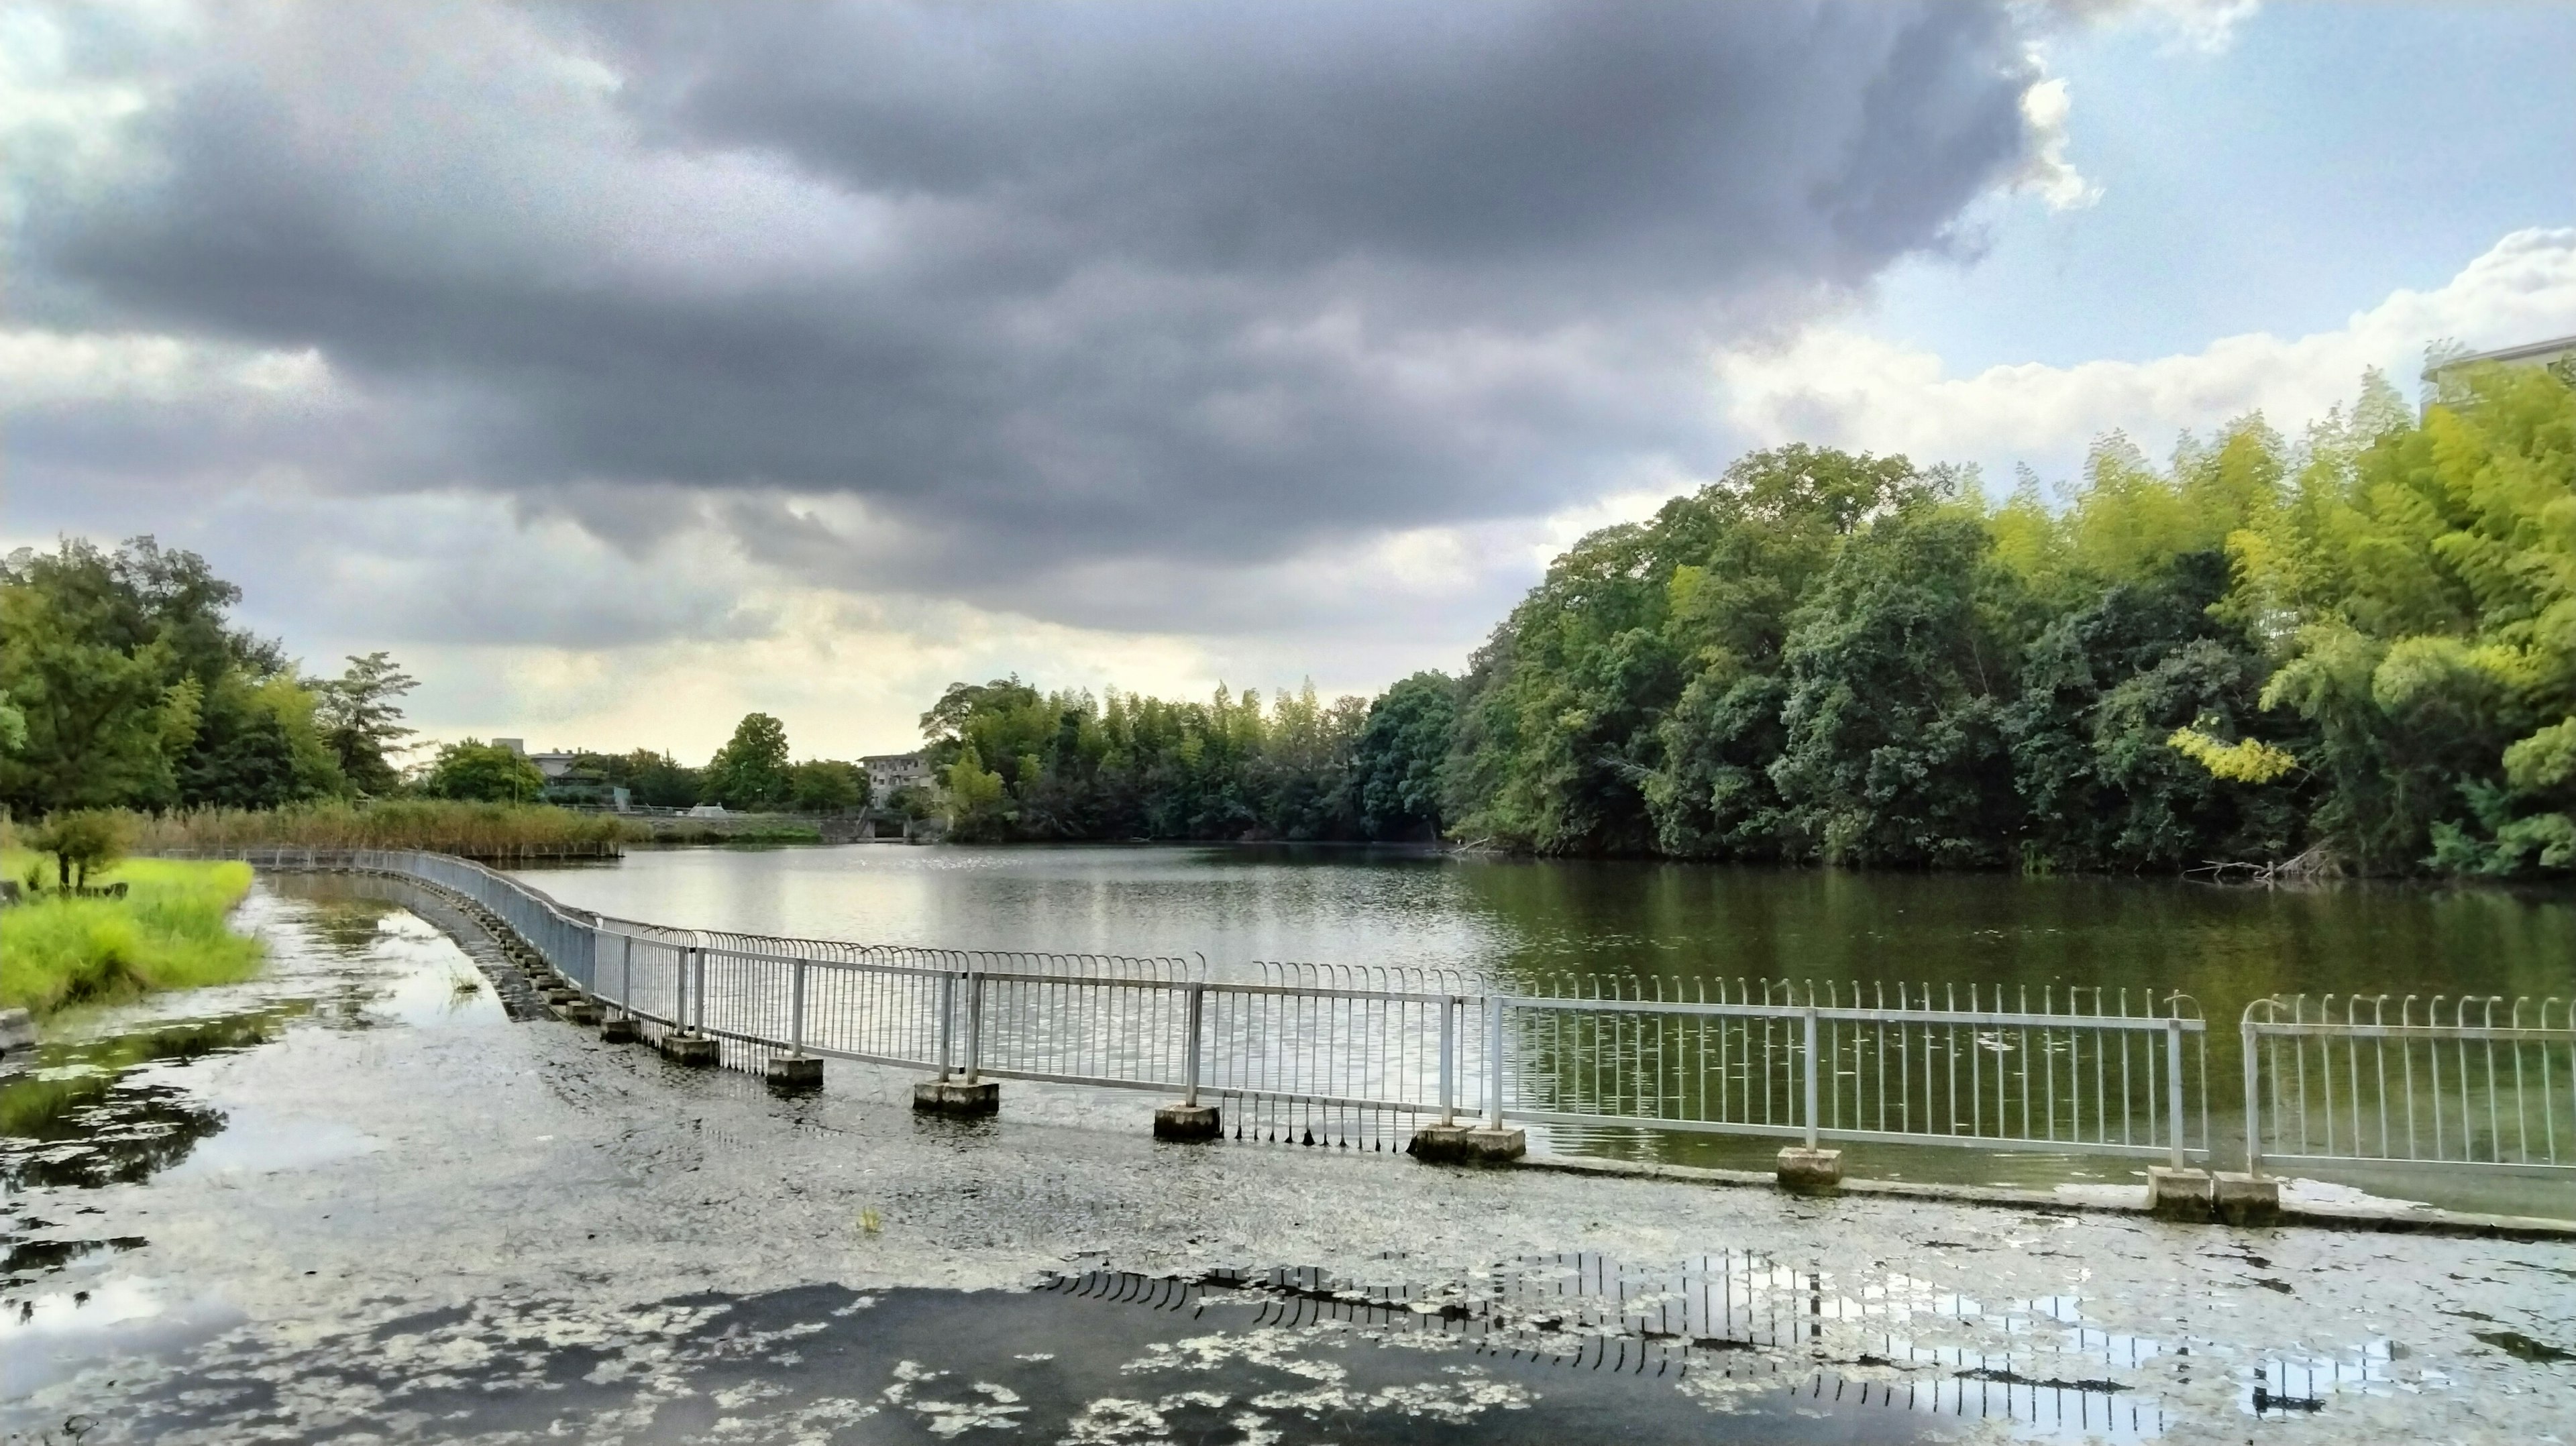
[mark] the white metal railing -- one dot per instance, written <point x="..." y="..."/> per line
<point x="2477" y="1080"/>
<point x="1366" y="1052"/>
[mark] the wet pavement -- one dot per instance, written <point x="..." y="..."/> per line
<point x="354" y="1200"/>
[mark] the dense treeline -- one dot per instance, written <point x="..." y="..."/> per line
<point x="2356" y="651"/>
<point x="2352" y="652"/>
<point x="1015" y="763"/>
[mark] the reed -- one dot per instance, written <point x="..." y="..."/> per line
<point x="474" y="830"/>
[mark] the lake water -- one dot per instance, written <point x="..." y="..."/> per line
<point x="1526" y="922"/>
<point x="1522" y="920"/>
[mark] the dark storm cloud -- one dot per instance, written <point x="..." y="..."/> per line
<point x="1041" y="285"/>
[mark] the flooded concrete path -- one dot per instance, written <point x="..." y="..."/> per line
<point x="354" y="1199"/>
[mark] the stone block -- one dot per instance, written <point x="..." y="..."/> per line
<point x="1461" y="1144"/>
<point x="1439" y="1144"/>
<point x="617" y="1029"/>
<point x="1810" y="1172"/>
<point x="1187" y="1122"/>
<point x="17" y="1031"/>
<point x="2246" y="1199"/>
<point x="694" y="1050"/>
<point x="955" y="1096"/>
<point x="580" y="1011"/>
<point x="794" y="1072"/>
<point x="2178" y="1194"/>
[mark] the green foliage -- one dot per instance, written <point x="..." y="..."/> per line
<point x="1396" y="760"/>
<point x="169" y="932"/>
<point x="131" y="688"/>
<point x="1073" y="767"/>
<point x="2358" y="647"/>
<point x="476" y="771"/>
<point x="825" y="785"/>
<point x="750" y="772"/>
<point x="978" y="803"/>
<point x="81" y="843"/>
<point x="362" y="724"/>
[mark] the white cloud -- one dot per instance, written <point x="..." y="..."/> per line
<point x="2047" y="172"/>
<point x="2206" y="26"/>
<point x="40" y="368"/>
<point x="1845" y="388"/>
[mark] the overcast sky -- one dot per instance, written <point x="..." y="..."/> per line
<point x="626" y="369"/>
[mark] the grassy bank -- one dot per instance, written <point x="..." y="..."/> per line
<point x="169" y="932"/>
<point x="476" y="830"/>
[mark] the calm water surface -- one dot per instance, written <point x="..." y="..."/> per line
<point x="1522" y="920"/>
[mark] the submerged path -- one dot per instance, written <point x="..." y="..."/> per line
<point x="355" y="1199"/>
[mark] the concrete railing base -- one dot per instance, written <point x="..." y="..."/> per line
<point x="948" y="1096"/>
<point x="694" y="1050"/>
<point x="788" y="1072"/>
<point x="617" y="1029"/>
<point x="2174" y="1194"/>
<point x="1810" y="1172"/>
<point x="1456" y="1144"/>
<point x="17" y="1031"/>
<point x="2245" y="1199"/>
<point x="1187" y="1122"/>
<point x="580" y="1011"/>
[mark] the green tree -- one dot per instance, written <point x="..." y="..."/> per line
<point x="824" y="785"/>
<point x="483" y="772"/>
<point x="750" y="771"/>
<point x="1396" y="760"/>
<point x="362" y="721"/>
<point x="977" y="804"/>
<point x="82" y="843"/>
<point x="1894" y="715"/>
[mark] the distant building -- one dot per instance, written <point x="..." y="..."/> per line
<point x="2559" y="356"/>
<point x="553" y="765"/>
<point x="518" y="746"/>
<point x="888" y="772"/>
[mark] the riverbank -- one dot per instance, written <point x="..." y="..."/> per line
<point x="172" y="930"/>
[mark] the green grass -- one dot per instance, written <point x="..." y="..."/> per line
<point x="169" y="932"/>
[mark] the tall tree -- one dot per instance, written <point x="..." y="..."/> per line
<point x="750" y="771"/>
<point x="362" y="720"/>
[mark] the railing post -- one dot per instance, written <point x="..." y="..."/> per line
<point x="2173" y="1085"/>
<point x="974" y="1023"/>
<point x="2253" y="1101"/>
<point x="1494" y="1061"/>
<point x="1449" y="1059"/>
<point x="1811" y="1076"/>
<point x="698" y="995"/>
<point x="626" y="976"/>
<point x="680" y="996"/>
<point x="796" y="1009"/>
<point x="1190" y="1077"/>
<point x="947" y="1021"/>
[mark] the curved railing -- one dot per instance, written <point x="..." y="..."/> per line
<point x="1364" y="1053"/>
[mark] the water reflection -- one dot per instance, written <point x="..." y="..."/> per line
<point x="1734" y="1330"/>
<point x="78" y="1121"/>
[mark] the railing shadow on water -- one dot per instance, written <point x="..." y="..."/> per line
<point x="1352" y="1055"/>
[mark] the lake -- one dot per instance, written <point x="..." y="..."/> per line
<point x="1522" y="921"/>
